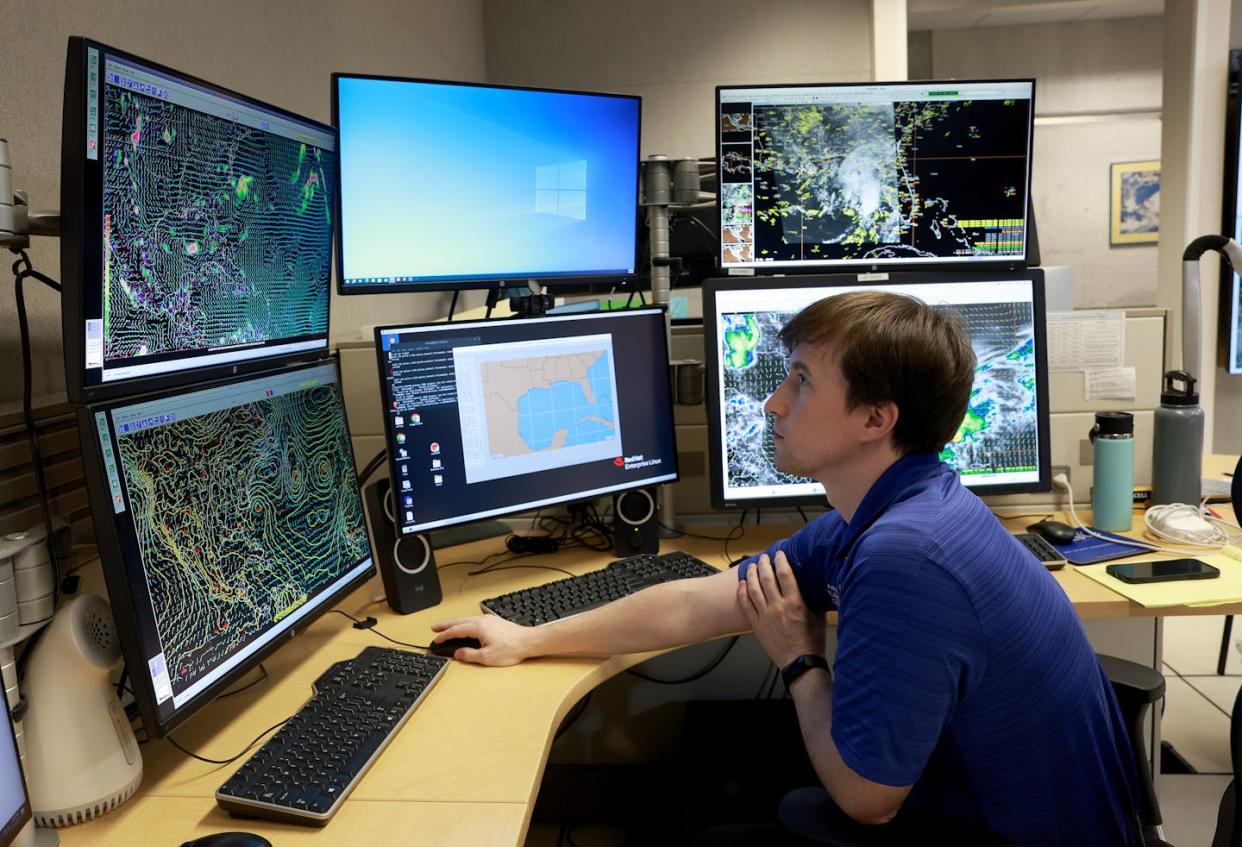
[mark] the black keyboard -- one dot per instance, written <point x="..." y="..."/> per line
<point x="304" y="771"/>
<point x="1048" y="556"/>
<point x="574" y="595"/>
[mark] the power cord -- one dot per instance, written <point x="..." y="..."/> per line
<point x="371" y="467"/>
<point x="711" y="666"/>
<point x="23" y="270"/>
<point x="231" y="759"/>
<point x="1164" y="524"/>
<point x="369" y="623"/>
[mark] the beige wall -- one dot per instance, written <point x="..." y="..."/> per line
<point x="278" y="52"/>
<point x="1097" y="100"/>
<point x="675" y="54"/>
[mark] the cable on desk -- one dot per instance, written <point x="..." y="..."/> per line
<point x="231" y="759"/>
<point x="741" y="531"/>
<point x="369" y="624"/>
<point x="711" y="666"/>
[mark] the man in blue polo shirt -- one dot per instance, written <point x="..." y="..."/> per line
<point x="965" y="688"/>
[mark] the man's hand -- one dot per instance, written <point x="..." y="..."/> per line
<point x="501" y="642"/>
<point x="770" y="600"/>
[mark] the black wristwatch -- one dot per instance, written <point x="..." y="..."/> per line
<point x="801" y="665"/>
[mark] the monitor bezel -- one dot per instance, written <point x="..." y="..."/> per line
<point x="117" y="573"/>
<point x="81" y="205"/>
<point x="560" y="283"/>
<point x="23" y="814"/>
<point x="853" y="266"/>
<point x="390" y="435"/>
<point x="711" y="343"/>
<point x="1231" y="312"/>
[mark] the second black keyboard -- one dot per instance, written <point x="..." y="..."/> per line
<point x="574" y="595"/>
<point x="304" y="771"/>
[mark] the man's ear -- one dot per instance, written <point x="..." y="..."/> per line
<point x="881" y="419"/>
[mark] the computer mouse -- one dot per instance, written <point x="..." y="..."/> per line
<point x="1054" y="532"/>
<point x="229" y="839"/>
<point x="449" y="646"/>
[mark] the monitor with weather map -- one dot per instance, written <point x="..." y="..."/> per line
<point x="196" y="228"/>
<point x="874" y="175"/>
<point x="228" y="518"/>
<point x="1002" y="445"/>
<point x="490" y="418"/>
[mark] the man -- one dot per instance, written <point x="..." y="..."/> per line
<point x="964" y="683"/>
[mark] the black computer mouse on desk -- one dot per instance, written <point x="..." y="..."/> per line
<point x="448" y="647"/>
<point x="229" y="839"/>
<point x="1054" y="532"/>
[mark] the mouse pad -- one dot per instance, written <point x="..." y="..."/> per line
<point x="1087" y="549"/>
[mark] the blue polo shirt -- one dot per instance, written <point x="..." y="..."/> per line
<point x="962" y="668"/>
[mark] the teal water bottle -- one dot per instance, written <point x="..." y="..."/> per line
<point x="1112" y="489"/>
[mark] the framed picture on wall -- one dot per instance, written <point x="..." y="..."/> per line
<point x="1134" y="206"/>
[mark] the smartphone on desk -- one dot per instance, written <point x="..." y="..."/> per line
<point x="1166" y="571"/>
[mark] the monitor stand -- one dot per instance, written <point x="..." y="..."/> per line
<point x="465" y="533"/>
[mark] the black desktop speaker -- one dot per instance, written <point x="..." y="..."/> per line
<point x="407" y="563"/>
<point x="635" y="526"/>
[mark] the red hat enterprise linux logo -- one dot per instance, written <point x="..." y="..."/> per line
<point x="619" y="461"/>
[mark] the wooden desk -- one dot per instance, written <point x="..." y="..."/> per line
<point x="466" y="768"/>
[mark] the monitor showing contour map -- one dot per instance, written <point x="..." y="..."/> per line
<point x="201" y="233"/>
<point x="1002" y="443"/>
<point x="874" y="174"/>
<point x="236" y="516"/>
<point x="489" y="418"/>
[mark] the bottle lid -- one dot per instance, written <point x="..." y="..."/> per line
<point x="1113" y="423"/>
<point x="1172" y="395"/>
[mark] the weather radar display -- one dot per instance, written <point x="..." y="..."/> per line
<point x="242" y="513"/>
<point x="214" y="229"/>
<point x="996" y="443"/>
<point x="874" y="174"/>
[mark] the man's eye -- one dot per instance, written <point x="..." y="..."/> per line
<point x="801" y="379"/>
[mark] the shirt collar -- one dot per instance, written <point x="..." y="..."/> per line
<point x="901" y="475"/>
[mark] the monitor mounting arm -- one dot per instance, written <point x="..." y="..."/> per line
<point x="1192" y="321"/>
<point x="17" y="222"/>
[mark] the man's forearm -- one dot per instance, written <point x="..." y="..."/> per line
<point x="865" y="801"/>
<point x="656" y="618"/>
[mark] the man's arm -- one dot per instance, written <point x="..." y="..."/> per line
<point x="684" y="611"/>
<point x="863" y="800"/>
<point x="773" y="606"/>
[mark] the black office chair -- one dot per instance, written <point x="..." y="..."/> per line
<point x="1228" y="832"/>
<point x="1137" y="687"/>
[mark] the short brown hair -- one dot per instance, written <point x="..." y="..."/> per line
<point x="892" y="347"/>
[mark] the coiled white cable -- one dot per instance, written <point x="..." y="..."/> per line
<point x="1162" y="528"/>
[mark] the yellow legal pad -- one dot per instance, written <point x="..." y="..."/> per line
<point x="1226" y="588"/>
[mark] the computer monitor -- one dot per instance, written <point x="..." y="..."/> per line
<point x="448" y="185"/>
<point x="1002" y="446"/>
<point x="228" y="518"/>
<point x="874" y="175"/>
<point x="490" y="418"/>
<point x="14" y="799"/>
<point x="196" y="228"/>
<point x="1230" y="328"/>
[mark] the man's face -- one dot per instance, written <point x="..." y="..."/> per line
<point x="813" y="427"/>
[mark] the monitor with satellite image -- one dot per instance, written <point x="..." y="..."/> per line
<point x="491" y="418"/>
<point x="1002" y="445"/>
<point x="228" y="518"/>
<point x="455" y="185"/>
<point x="876" y="175"/>
<point x="196" y="228"/>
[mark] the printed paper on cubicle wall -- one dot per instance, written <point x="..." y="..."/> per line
<point x="1086" y="340"/>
